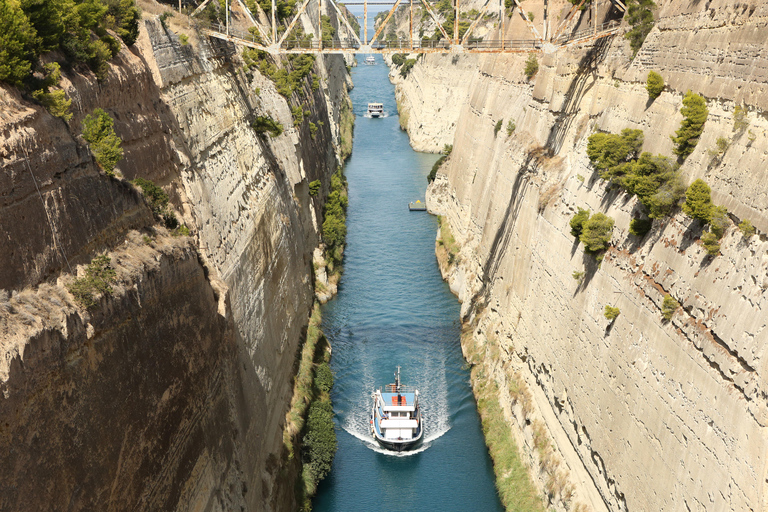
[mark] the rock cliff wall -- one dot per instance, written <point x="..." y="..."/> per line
<point x="171" y="393"/>
<point x="645" y="414"/>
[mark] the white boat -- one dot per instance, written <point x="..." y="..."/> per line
<point x="376" y="109"/>
<point x="396" y="422"/>
<point x="370" y="60"/>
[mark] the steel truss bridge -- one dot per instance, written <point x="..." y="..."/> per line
<point x="273" y="42"/>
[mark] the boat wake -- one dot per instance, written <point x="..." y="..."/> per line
<point x="380" y="117"/>
<point x="434" y="410"/>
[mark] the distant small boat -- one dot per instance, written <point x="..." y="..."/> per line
<point x="418" y="206"/>
<point x="396" y="422"/>
<point x="376" y="109"/>
<point x="370" y="60"/>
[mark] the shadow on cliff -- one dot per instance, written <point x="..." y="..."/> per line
<point x="585" y="79"/>
<point x="501" y="240"/>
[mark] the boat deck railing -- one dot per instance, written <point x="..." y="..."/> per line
<point x="392" y="388"/>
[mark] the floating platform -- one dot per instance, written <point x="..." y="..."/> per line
<point x="418" y="206"/>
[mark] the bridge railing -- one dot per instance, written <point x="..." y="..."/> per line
<point x="585" y="33"/>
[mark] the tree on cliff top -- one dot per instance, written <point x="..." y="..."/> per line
<point x="16" y="42"/>
<point x="695" y="114"/>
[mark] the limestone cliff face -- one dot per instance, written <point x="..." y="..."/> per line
<point x="646" y="414"/>
<point x="172" y="393"/>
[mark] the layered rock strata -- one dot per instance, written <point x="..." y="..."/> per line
<point x="171" y="393"/>
<point x="645" y="414"/>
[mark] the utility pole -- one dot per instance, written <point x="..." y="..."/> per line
<point x="456" y="25"/>
<point x="226" y="14"/>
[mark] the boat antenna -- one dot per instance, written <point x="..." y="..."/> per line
<point x="397" y="380"/>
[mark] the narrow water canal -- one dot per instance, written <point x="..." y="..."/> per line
<point x="394" y="309"/>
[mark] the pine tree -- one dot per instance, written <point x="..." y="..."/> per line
<point x="695" y="114"/>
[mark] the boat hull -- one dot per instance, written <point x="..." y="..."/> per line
<point x="399" y="446"/>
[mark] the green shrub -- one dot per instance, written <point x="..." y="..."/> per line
<point x="654" y="85"/>
<point x="156" y="196"/>
<point x="695" y="114"/>
<point x="578" y="276"/>
<point x="577" y="222"/>
<point x="746" y="228"/>
<point x="99" y="276"/>
<point x="531" y="66"/>
<point x="698" y="201"/>
<point x="406" y="68"/>
<point x="184" y="39"/>
<point x="182" y="230"/>
<point x="55" y="102"/>
<point x="711" y="243"/>
<point x="510" y="128"/>
<point x="639" y="227"/>
<point x="164" y="16"/>
<point x="718" y="220"/>
<point x="314" y="187"/>
<point x="335" y="217"/>
<point x="99" y="132"/>
<point x="319" y="443"/>
<point x="596" y="233"/>
<point x="398" y="59"/>
<point x="497" y="127"/>
<point x="447" y="149"/>
<point x="655" y="180"/>
<point x="611" y="313"/>
<point x="668" y="307"/>
<point x="740" y="122"/>
<point x="312" y="129"/>
<point x="17" y="41"/>
<point x="435" y="168"/>
<point x="640" y="18"/>
<point x="608" y="150"/>
<point x="323" y="378"/>
<point x="264" y="124"/>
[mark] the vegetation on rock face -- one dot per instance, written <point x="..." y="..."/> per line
<point x="577" y="222"/>
<point x="611" y="313"/>
<point x="698" y="201"/>
<point x="158" y="203"/>
<point x="668" y="307"/>
<point x="406" y="67"/>
<point x="76" y="28"/>
<point x="99" y="276"/>
<point x="99" y="132"/>
<point x="746" y="228"/>
<point x="640" y="18"/>
<point x="314" y="187"/>
<point x="265" y="124"/>
<point x="639" y="227"/>
<point x="510" y="128"/>
<point x="319" y="440"/>
<point x="286" y="82"/>
<point x="718" y="220"/>
<point x="654" y="85"/>
<point x="497" y="127"/>
<point x="436" y="166"/>
<point x="695" y="114"/>
<point x="335" y="220"/>
<point x="531" y="66"/>
<point x="596" y="233"/>
<point x="740" y="122"/>
<point x="711" y="243"/>
<point x="398" y="59"/>
<point x="655" y="180"/>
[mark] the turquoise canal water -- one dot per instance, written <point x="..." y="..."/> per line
<point x="393" y="309"/>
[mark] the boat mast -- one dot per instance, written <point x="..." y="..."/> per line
<point x="397" y="380"/>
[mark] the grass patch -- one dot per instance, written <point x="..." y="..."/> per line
<point x="99" y="276"/>
<point x="447" y="241"/>
<point x="513" y="482"/>
<point x="347" y="128"/>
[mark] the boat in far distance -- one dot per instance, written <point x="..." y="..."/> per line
<point x="370" y="60"/>
<point x="376" y="109"/>
<point x="396" y="422"/>
<point x="418" y="206"/>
